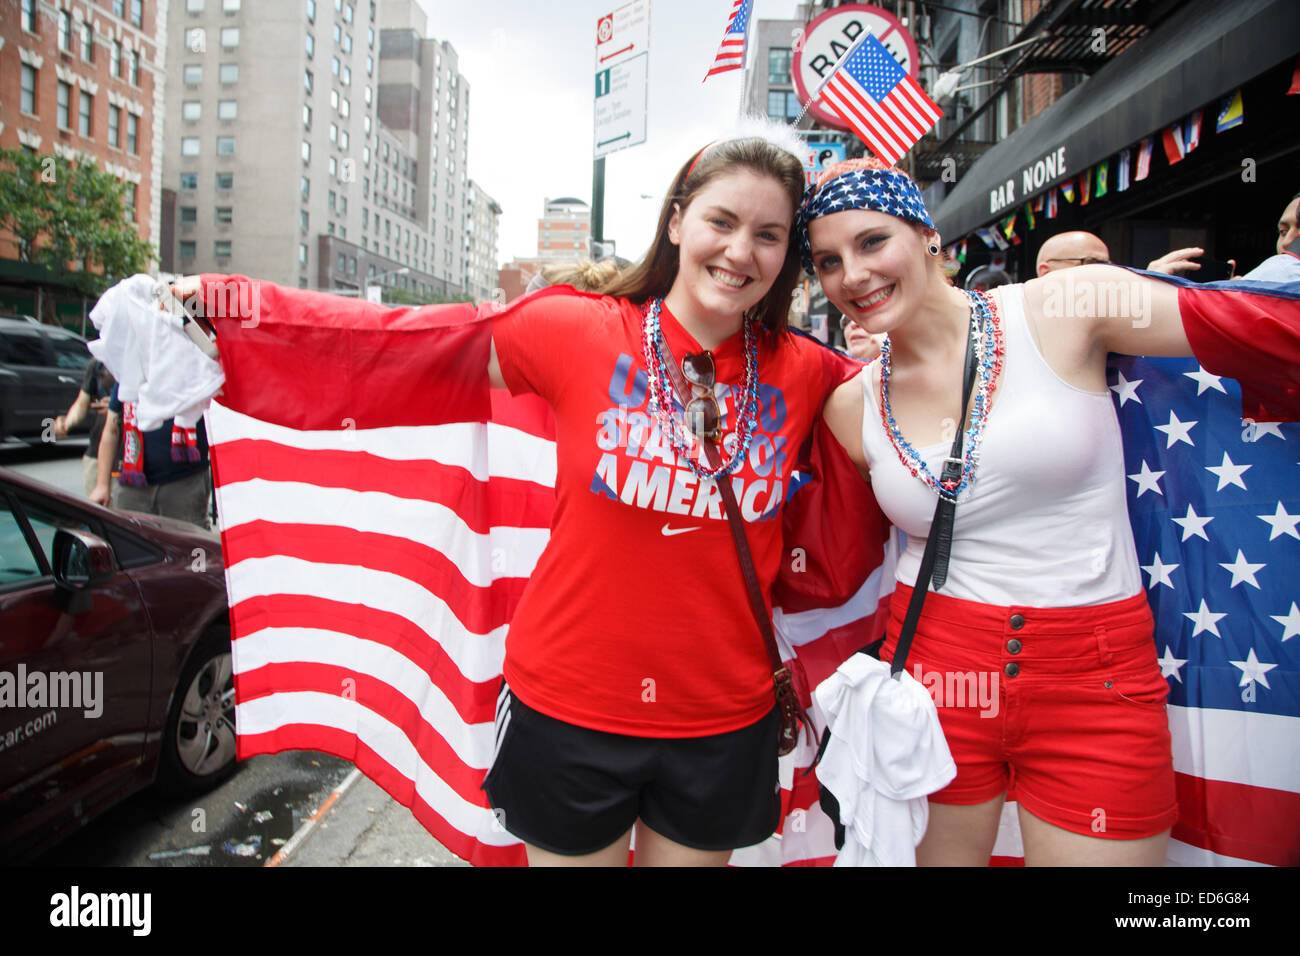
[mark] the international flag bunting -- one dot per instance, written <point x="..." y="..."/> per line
<point x="1103" y="178"/>
<point x="1039" y="201"/>
<point x="961" y="252"/>
<point x="880" y="101"/>
<point x="1172" y="139"/>
<point x="1192" y="133"/>
<point x="1009" y="229"/>
<point x="1029" y="215"/>
<point x="1144" y="159"/>
<point x="731" y="52"/>
<point x="1122" y="169"/>
<point x="1067" y="190"/>
<point x="986" y="235"/>
<point x="1051" y="203"/>
<point x="1085" y="188"/>
<point x="1295" y="80"/>
<point x="1231" y="112"/>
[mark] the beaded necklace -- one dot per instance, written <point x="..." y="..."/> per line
<point x="682" y="440"/>
<point x="986" y="329"/>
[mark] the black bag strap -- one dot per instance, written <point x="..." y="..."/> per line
<point x="938" y="547"/>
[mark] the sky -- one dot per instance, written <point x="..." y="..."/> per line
<point x="531" y="73"/>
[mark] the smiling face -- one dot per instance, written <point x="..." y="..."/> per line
<point x="732" y="240"/>
<point x="873" y="266"/>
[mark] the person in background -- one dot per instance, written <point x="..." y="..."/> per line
<point x="858" y="342"/>
<point x="1067" y="249"/>
<point x="164" y="471"/>
<point x="96" y="385"/>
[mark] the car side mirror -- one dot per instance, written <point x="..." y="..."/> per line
<point x="81" y="561"/>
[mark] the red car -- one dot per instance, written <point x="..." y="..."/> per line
<point x="115" y="666"/>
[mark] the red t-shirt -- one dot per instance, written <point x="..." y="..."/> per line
<point x="636" y="619"/>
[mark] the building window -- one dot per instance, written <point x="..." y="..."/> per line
<point x="367" y="95"/>
<point x="334" y="167"/>
<point x="347" y="13"/>
<point x="310" y="43"/>
<point x="193" y="74"/>
<point x="189" y="215"/>
<point x="343" y="262"/>
<point x="65" y="100"/>
<point x="334" y="99"/>
<point x="303" y="219"/>
<point x="306" y="151"/>
<point x="345" y="107"/>
<point x="189" y="145"/>
<point x="346" y="76"/>
<point x="334" y="133"/>
<point x="115" y="58"/>
<point x="228" y="73"/>
<point x="194" y="6"/>
<point x="119" y="9"/>
<point x="230" y="6"/>
<point x="83" y="119"/>
<point x="28" y="99"/>
<point x="132" y="128"/>
<point x="225" y="215"/>
<point x="304" y="187"/>
<point x="343" y="140"/>
<point x="778" y="65"/>
<point x="306" y="80"/>
<point x="221" y="248"/>
<point x="229" y="38"/>
<point x="133" y="66"/>
<point x="87" y="42"/>
<point x="370" y="65"/>
<point x="187" y="248"/>
<point x="306" y="117"/>
<point x="65" y="29"/>
<point x="29" y="15"/>
<point x="347" y="43"/>
<point x="137" y="13"/>
<point x="226" y="180"/>
<point x="332" y="199"/>
<point x="302" y="252"/>
<point x="227" y="109"/>
<point x="114" y="127"/>
<point x="338" y="33"/>
<point x="189" y="180"/>
<point x="191" y="110"/>
<point x="311" y="11"/>
<point x="334" y="65"/>
<point x="782" y="105"/>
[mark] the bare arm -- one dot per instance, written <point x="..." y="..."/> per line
<point x="104" y="459"/>
<point x="1107" y="309"/>
<point x="843" y="416"/>
<point x="75" y="416"/>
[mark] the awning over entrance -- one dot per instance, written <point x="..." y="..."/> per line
<point x="1205" y="52"/>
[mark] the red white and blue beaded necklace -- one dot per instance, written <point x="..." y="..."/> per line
<point x="684" y="442"/>
<point x="986" y="329"/>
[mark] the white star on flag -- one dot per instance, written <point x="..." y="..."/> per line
<point x="1281" y="523"/>
<point x="1170" y="666"/>
<point x="1252" y="669"/>
<point x="1268" y="428"/>
<point x="1228" y="473"/>
<point x="1159" y="572"/>
<point x="1205" y="620"/>
<point x="1242" y="570"/>
<point x="1205" y="380"/>
<point x="1126" y="389"/>
<point x="1193" y="524"/>
<point x="1147" y="480"/>
<point x="1176" y="431"/>
<point x="1290" y="622"/>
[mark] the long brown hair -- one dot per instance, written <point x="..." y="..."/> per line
<point x="654" y="275"/>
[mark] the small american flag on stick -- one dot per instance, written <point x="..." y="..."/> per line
<point x="883" y="104"/>
<point x="731" y="52"/>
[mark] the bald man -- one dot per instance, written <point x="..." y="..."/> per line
<point x="1068" y="249"/>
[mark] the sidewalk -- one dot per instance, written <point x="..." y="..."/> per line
<point x="366" y="827"/>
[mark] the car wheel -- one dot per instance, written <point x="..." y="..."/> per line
<point x="199" y="740"/>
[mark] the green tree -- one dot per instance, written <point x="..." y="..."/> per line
<point x="71" y="218"/>
<point x="397" y="296"/>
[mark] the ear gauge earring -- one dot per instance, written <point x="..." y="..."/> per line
<point x="934" y="249"/>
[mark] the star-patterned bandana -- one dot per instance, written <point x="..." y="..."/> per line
<point x="882" y="190"/>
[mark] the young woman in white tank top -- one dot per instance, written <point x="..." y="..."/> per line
<point x="1040" y="524"/>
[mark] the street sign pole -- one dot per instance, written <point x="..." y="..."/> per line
<point x="597" y="204"/>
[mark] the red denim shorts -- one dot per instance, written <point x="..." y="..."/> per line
<point x="1065" y="706"/>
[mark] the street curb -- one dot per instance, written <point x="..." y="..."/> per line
<point x="306" y="829"/>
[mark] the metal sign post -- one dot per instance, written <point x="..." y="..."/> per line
<point x="622" y="84"/>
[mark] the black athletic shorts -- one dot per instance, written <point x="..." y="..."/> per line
<point x="571" y="790"/>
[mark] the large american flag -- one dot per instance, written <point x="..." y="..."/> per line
<point x="731" y="51"/>
<point x="880" y="100"/>
<point x="378" y="532"/>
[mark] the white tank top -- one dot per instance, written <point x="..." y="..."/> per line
<point x="1045" y="523"/>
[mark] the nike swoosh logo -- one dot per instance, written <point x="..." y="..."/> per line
<point x="668" y="532"/>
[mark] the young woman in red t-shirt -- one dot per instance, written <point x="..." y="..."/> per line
<point x="639" y="691"/>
